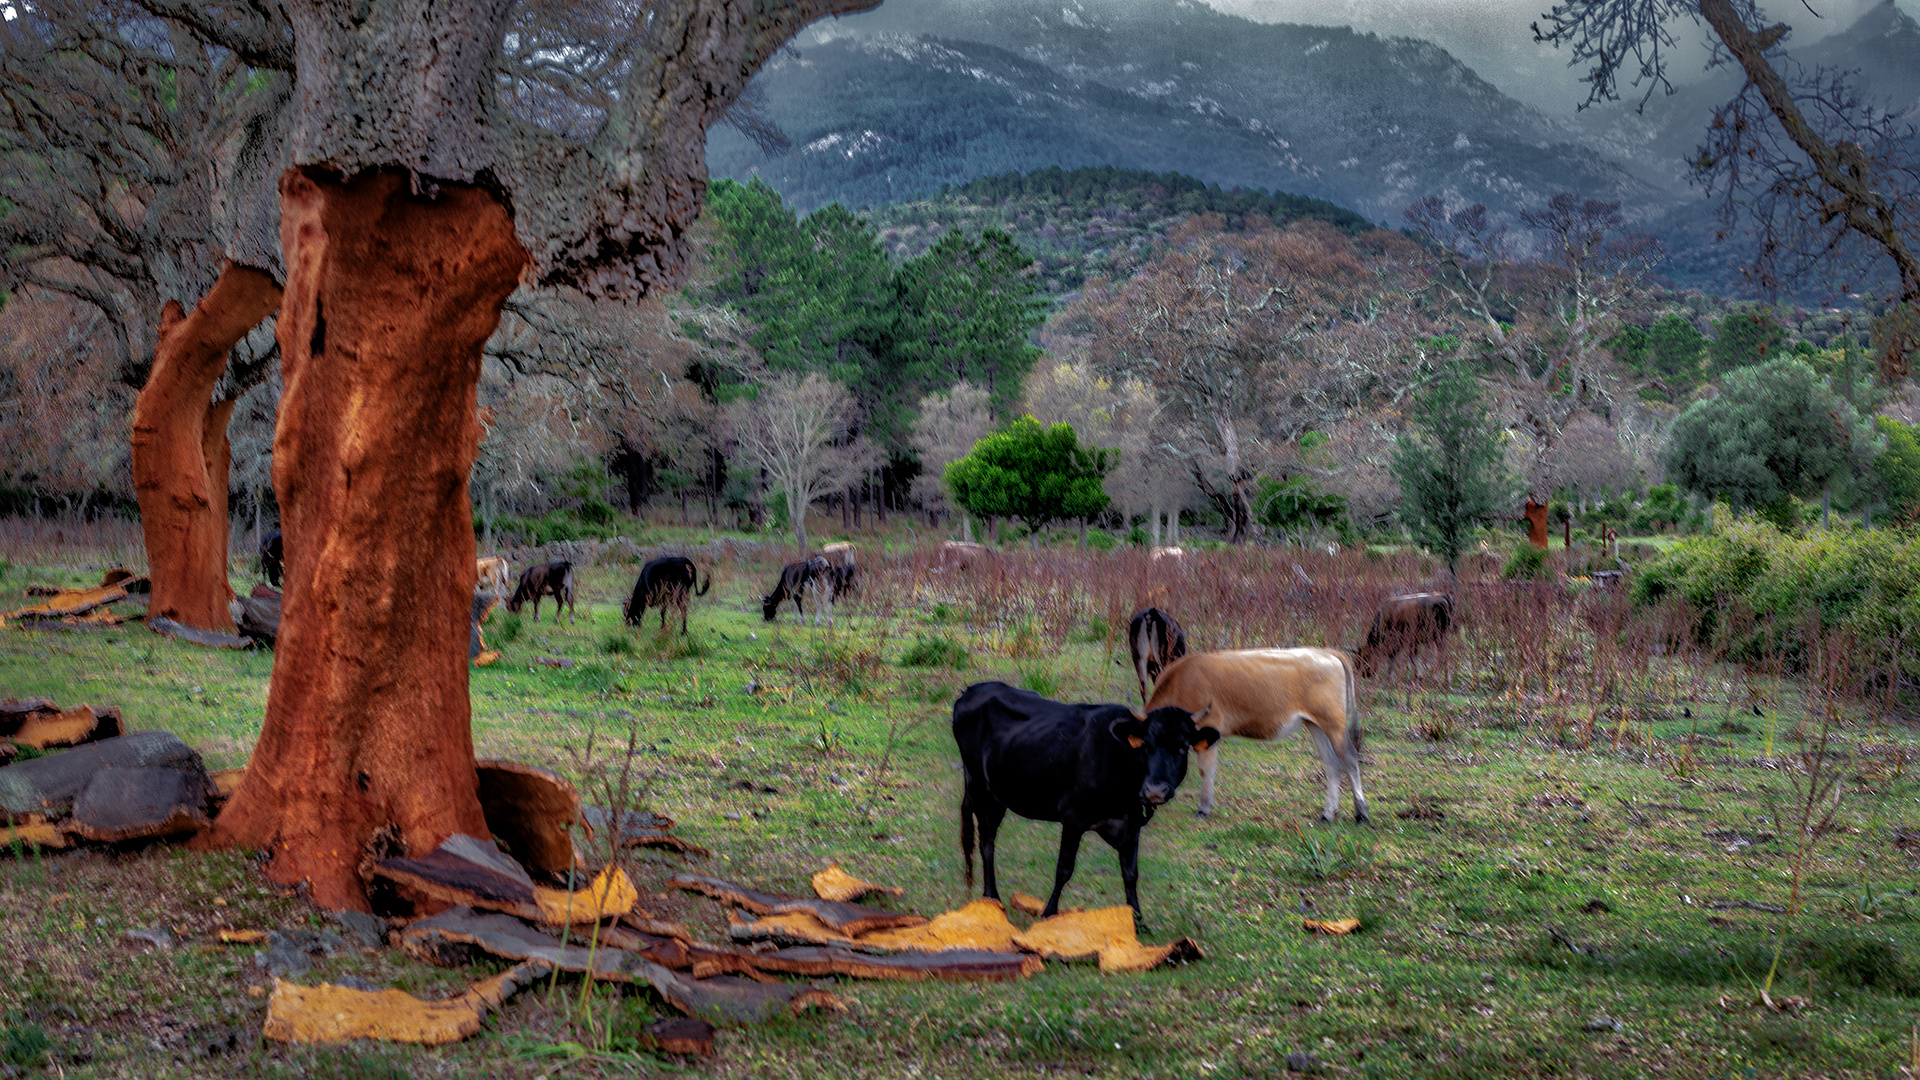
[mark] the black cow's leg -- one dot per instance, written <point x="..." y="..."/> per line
<point x="1125" y="838"/>
<point x="1070" y="833"/>
<point x="989" y="813"/>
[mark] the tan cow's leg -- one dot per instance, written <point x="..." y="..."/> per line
<point x="1207" y="761"/>
<point x="1330" y="764"/>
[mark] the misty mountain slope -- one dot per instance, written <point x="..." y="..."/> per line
<point x="929" y="92"/>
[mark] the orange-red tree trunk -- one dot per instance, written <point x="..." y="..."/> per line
<point x="389" y="297"/>
<point x="180" y="448"/>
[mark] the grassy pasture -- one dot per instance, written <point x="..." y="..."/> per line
<point x="1561" y="817"/>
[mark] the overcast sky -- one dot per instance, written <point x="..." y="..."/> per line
<point x="1491" y="36"/>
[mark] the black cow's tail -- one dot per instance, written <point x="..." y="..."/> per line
<point x="966" y="837"/>
<point x="705" y="585"/>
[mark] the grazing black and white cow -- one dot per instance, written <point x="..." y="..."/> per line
<point x="795" y="578"/>
<point x="553" y="579"/>
<point x="1098" y="767"/>
<point x="1402" y="625"/>
<point x="1156" y="640"/>
<point x="272" y="558"/>
<point x="665" y="582"/>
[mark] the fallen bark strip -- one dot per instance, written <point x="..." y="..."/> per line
<point x="472" y="872"/>
<point x="50" y="728"/>
<point x="328" y="1013"/>
<point x="48" y="785"/>
<point x="140" y="803"/>
<point x="212" y="639"/>
<point x="37" y="831"/>
<point x="849" y="919"/>
<point x="790" y="928"/>
<point x="834" y="883"/>
<point x="70" y="602"/>
<point x="531" y="809"/>
<point x="953" y="965"/>
<point x="724" y="999"/>
<point x="639" y="828"/>
<point x="981" y="924"/>
<point x="1106" y="933"/>
<point x="679" y="1035"/>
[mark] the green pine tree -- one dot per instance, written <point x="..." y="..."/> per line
<point x="1453" y="472"/>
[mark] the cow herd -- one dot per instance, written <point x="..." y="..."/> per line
<point x="1089" y="767"/>
<point x="1105" y="768"/>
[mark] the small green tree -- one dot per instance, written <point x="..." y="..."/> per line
<point x="1777" y="430"/>
<point x="1453" y="473"/>
<point x="1675" y="348"/>
<point x="1747" y="336"/>
<point x="1037" y="474"/>
<point x="1896" y="472"/>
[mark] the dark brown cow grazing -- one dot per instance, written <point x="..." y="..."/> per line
<point x="666" y="582"/>
<point x="795" y="577"/>
<point x="553" y="579"/>
<point x="272" y="558"/>
<point x="1155" y="640"/>
<point x="1404" y="624"/>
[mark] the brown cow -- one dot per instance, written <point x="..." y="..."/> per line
<point x="553" y="579"/>
<point x="1404" y="624"/>
<point x="1269" y="694"/>
<point x="960" y="554"/>
<point x="1156" y="640"/>
<point x="491" y="573"/>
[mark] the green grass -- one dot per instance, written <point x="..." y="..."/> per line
<point x="1525" y="831"/>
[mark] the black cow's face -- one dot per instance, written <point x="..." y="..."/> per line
<point x="770" y="607"/>
<point x="1165" y="737"/>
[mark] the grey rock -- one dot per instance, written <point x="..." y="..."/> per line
<point x="47" y="785"/>
<point x="1603" y="1022"/>
<point x="361" y="929"/>
<point x="1302" y="1062"/>
<point x="158" y="937"/>
<point x="290" y="952"/>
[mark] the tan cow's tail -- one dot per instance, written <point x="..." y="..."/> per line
<point x="1353" y="707"/>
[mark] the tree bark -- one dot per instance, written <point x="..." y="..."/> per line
<point x="390" y="296"/>
<point x="180" y="448"/>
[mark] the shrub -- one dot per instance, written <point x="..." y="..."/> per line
<point x="1100" y="540"/>
<point x="936" y="651"/>
<point x="1861" y="584"/>
<point x="1529" y="563"/>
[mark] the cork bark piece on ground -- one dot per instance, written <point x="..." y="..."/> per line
<point x="531" y="810"/>
<point x="1105" y="933"/>
<point x="609" y="894"/>
<point x="328" y="1013"/>
<point x="792" y="928"/>
<point x="834" y="883"/>
<point x="980" y="925"/>
<point x="679" y="1035"/>
<point x="48" y="785"/>
<point x="47" y="729"/>
<point x="212" y="639"/>
<point x="848" y="919"/>
<point x="639" y="828"/>
<point x="140" y="803"/>
<point x="951" y="965"/>
<point x="70" y="602"/>
<point x="464" y="871"/>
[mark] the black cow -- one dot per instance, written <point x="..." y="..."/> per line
<point x="1156" y="640"/>
<point x="1099" y="767"/>
<point x="665" y="582"/>
<point x="1404" y="624"/>
<point x="795" y="577"/>
<point x="553" y="579"/>
<point x="272" y="562"/>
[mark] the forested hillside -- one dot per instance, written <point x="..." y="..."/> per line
<point x="1083" y="223"/>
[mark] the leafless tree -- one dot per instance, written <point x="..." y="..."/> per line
<point x="1826" y="179"/>
<point x="945" y="428"/>
<point x="799" y="431"/>
<point x="1117" y="413"/>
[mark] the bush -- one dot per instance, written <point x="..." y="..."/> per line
<point x="1529" y="563"/>
<point x="936" y="651"/>
<point x="1864" y="584"/>
<point x="1100" y="540"/>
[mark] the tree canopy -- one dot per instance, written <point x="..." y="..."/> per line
<point x="1033" y="473"/>
<point x="1775" y="430"/>
<point x="1452" y="466"/>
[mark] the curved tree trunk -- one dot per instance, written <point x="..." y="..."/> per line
<point x="180" y="448"/>
<point x="390" y="296"/>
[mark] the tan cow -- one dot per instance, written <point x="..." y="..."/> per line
<point x="1269" y="694"/>
<point x="492" y="574"/>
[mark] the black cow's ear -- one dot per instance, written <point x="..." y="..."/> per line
<point x="1205" y="737"/>
<point x="1130" y="730"/>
